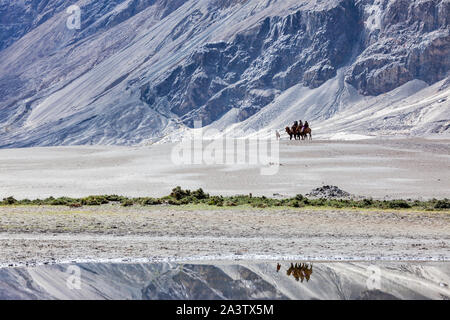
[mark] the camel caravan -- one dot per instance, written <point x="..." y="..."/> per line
<point x="299" y="131"/>
<point x="299" y="271"/>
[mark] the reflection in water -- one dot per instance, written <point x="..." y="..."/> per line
<point x="299" y="271"/>
<point x="238" y="280"/>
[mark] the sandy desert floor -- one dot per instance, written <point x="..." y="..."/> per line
<point x="394" y="168"/>
<point x="35" y="235"/>
<point x="411" y="168"/>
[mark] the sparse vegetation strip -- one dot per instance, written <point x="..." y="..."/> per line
<point x="180" y="196"/>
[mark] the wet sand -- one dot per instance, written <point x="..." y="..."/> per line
<point x="37" y="235"/>
<point x="407" y="168"/>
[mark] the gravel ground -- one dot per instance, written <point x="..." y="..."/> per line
<point x="36" y="235"/>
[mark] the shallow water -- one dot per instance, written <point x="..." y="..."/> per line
<point x="228" y="280"/>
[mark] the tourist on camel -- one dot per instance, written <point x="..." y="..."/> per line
<point x="300" y="125"/>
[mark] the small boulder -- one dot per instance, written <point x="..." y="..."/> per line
<point x="329" y="192"/>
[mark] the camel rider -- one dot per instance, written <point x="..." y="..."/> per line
<point x="306" y="125"/>
<point x="295" y="126"/>
<point x="300" y="125"/>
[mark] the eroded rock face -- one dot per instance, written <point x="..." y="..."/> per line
<point x="249" y="71"/>
<point x="403" y="40"/>
<point x="387" y="43"/>
<point x="17" y="18"/>
<point x="138" y="69"/>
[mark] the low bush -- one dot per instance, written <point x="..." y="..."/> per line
<point x="215" y="201"/>
<point x="127" y="203"/>
<point x="179" y="193"/>
<point x="94" y="201"/>
<point x="179" y="196"/>
<point x="150" y="201"/>
<point x="9" y="201"/>
<point x="295" y="204"/>
<point x="61" y="202"/>
<point x="398" y="204"/>
<point x="174" y="202"/>
<point x="200" y="194"/>
<point x="442" y="204"/>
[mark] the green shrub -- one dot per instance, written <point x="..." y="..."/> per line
<point x="127" y="203"/>
<point x="114" y="198"/>
<point x="215" y="201"/>
<point x="337" y="204"/>
<point x="442" y="204"/>
<point x="318" y="202"/>
<point x="179" y="196"/>
<point x="150" y="201"/>
<point x="9" y="201"/>
<point x="187" y="200"/>
<point x="94" y="201"/>
<point x="174" y="202"/>
<point x="200" y="194"/>
<point x="37" y="202"/>
<point x="179" y="193"/>
<point x="49" y="200"/>
<point x="295" y="203"/>
<point x="60" y="202"/>
<point x="25" y="202"/>
<point x="399" y="204"/>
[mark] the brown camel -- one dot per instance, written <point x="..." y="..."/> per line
<point x="308" y="272"/>
<point x="304" y="134"/>
<point x="299" y="272"/>
<point x="290" y="133"/>
<point x="298" y="133"/>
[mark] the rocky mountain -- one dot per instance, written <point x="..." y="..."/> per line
<point x="140" y="71"/>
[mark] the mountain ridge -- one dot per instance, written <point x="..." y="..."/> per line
<point x="139" y="69"/>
